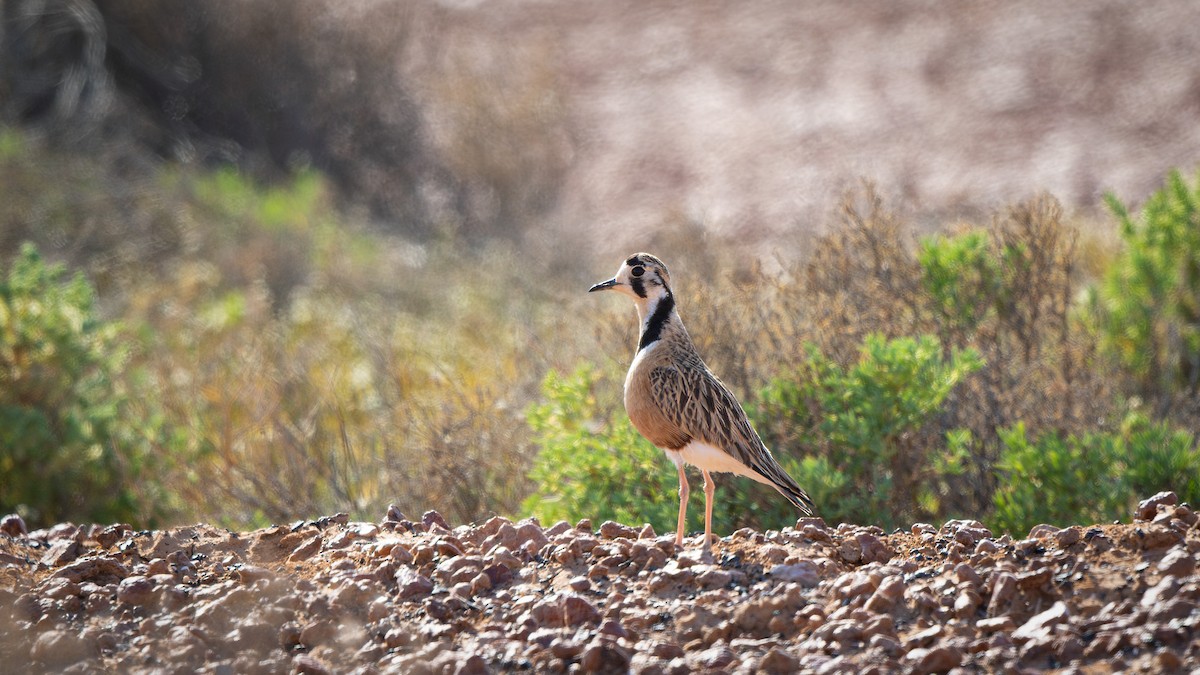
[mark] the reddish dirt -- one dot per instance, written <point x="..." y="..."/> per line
<point x="405" y="596"/>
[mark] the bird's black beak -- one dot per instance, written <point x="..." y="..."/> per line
<point x="603" y="286"/>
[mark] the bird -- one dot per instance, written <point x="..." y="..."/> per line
<point x="679" y="405"/>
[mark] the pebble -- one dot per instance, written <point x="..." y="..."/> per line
<point x="1147" y="509"/>
<point x="933" y="660"/>
<point x="576" y="610"/>
<point x="1178" y="562"/>
<point x="805" y="572"/>
<point x="135" y="590"/>
<point x="1039" y="624"/>
<point x="604" y="656"/>
<point x="778" y="662"/>
<point x="13" y="525"/>
<point x="56" y="649"/>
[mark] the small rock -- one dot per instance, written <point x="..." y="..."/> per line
<point x="886" y="644"/>
<point x="879" y="625"/>
<point x="135" y="590"/>
<point x="613" y="628"/>
<point x="505" y="557"/>
<point x="112" y="534"/>
<point x="401" y="554"/>
<point x="613" y="530"/>
<point x="319" y="632"/>
<point x="289" y="635"/>
<point x="13" y="525"/>
<point x="498" y="574"/>
<point x="480" y="583"/>
<point x="815" y="522"/>
<point x="97" y="570"/>
<point x="1032" y="580"/>
<point x="394" y="515"/>
<point x="576" y="610"/>
<point x="1039" y="623"/>
<point x="307" y="664"/>
<point x="666" y="650"/>
<point x="967" y="574"/>
<point x="565" y="649"/>
<point x="1178" y="562"/>
<point x="604" y="656"/>
<point x="1043" y="531"/>
<point x="873" y="549"/>
<point x="530" y="532"/>
<point x="934" y="660"/>
<point x="397" y="637"/>
<point x="953" y="525"/>
<point x="57" y="649"/>
<point x="714" y="577"/>
<point x="778" y="662"/>
<point x="307" y="549"/>
<point x="986" y="547"/>
<point x="715" y="657"/>
<point x="1069" y="536"/>
<point x="430" y="518"/>
<point x="995" y="624"/>
<point x="548" y="612"/>
<point x="1004" y="589"/>
<point x="1169" y="661"/>
<point x="1160" y="593"/>
<point x="924" y="638"/>
<point x="411" y="584"/>
<point x="1147" y="509"/>
<point x="558" y="528"/>
<point x="965" y="604"/>
<point x="248" y="574"/>
<point x="850" y="551"/>
<point x="884" y="598"/>
<point x="58" y="588"/>
<point x="804" y="573"/>
<point x="62" y="552"/>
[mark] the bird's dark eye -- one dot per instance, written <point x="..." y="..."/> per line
<point x="638" y="271"/>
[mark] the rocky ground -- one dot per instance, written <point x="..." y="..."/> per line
<point x="421" y="596"/>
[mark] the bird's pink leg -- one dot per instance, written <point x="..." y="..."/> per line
<point x="683" y="497"/>
<point x="709" y="488"/>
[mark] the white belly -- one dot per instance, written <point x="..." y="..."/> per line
<point x="707" y="458"/>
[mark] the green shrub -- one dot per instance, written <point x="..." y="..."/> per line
<point x="863" y="422"/>
<point x="1093" y="477"/>
<point x="72" y="445"/>
<point x="960" y="276"/>
<point x="1148" y="308"/>
<point x="1156" y="457"/>
<point x="592" y="463"/>
<point x="1056" y="480"/>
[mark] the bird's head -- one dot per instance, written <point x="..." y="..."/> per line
<point x="642" y="277"/>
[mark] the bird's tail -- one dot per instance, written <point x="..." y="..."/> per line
<point x="787" y="487"/>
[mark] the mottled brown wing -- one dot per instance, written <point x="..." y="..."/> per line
<point x="704" y="408"/>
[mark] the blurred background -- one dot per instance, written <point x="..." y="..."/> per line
<point x="262" y="262"/>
